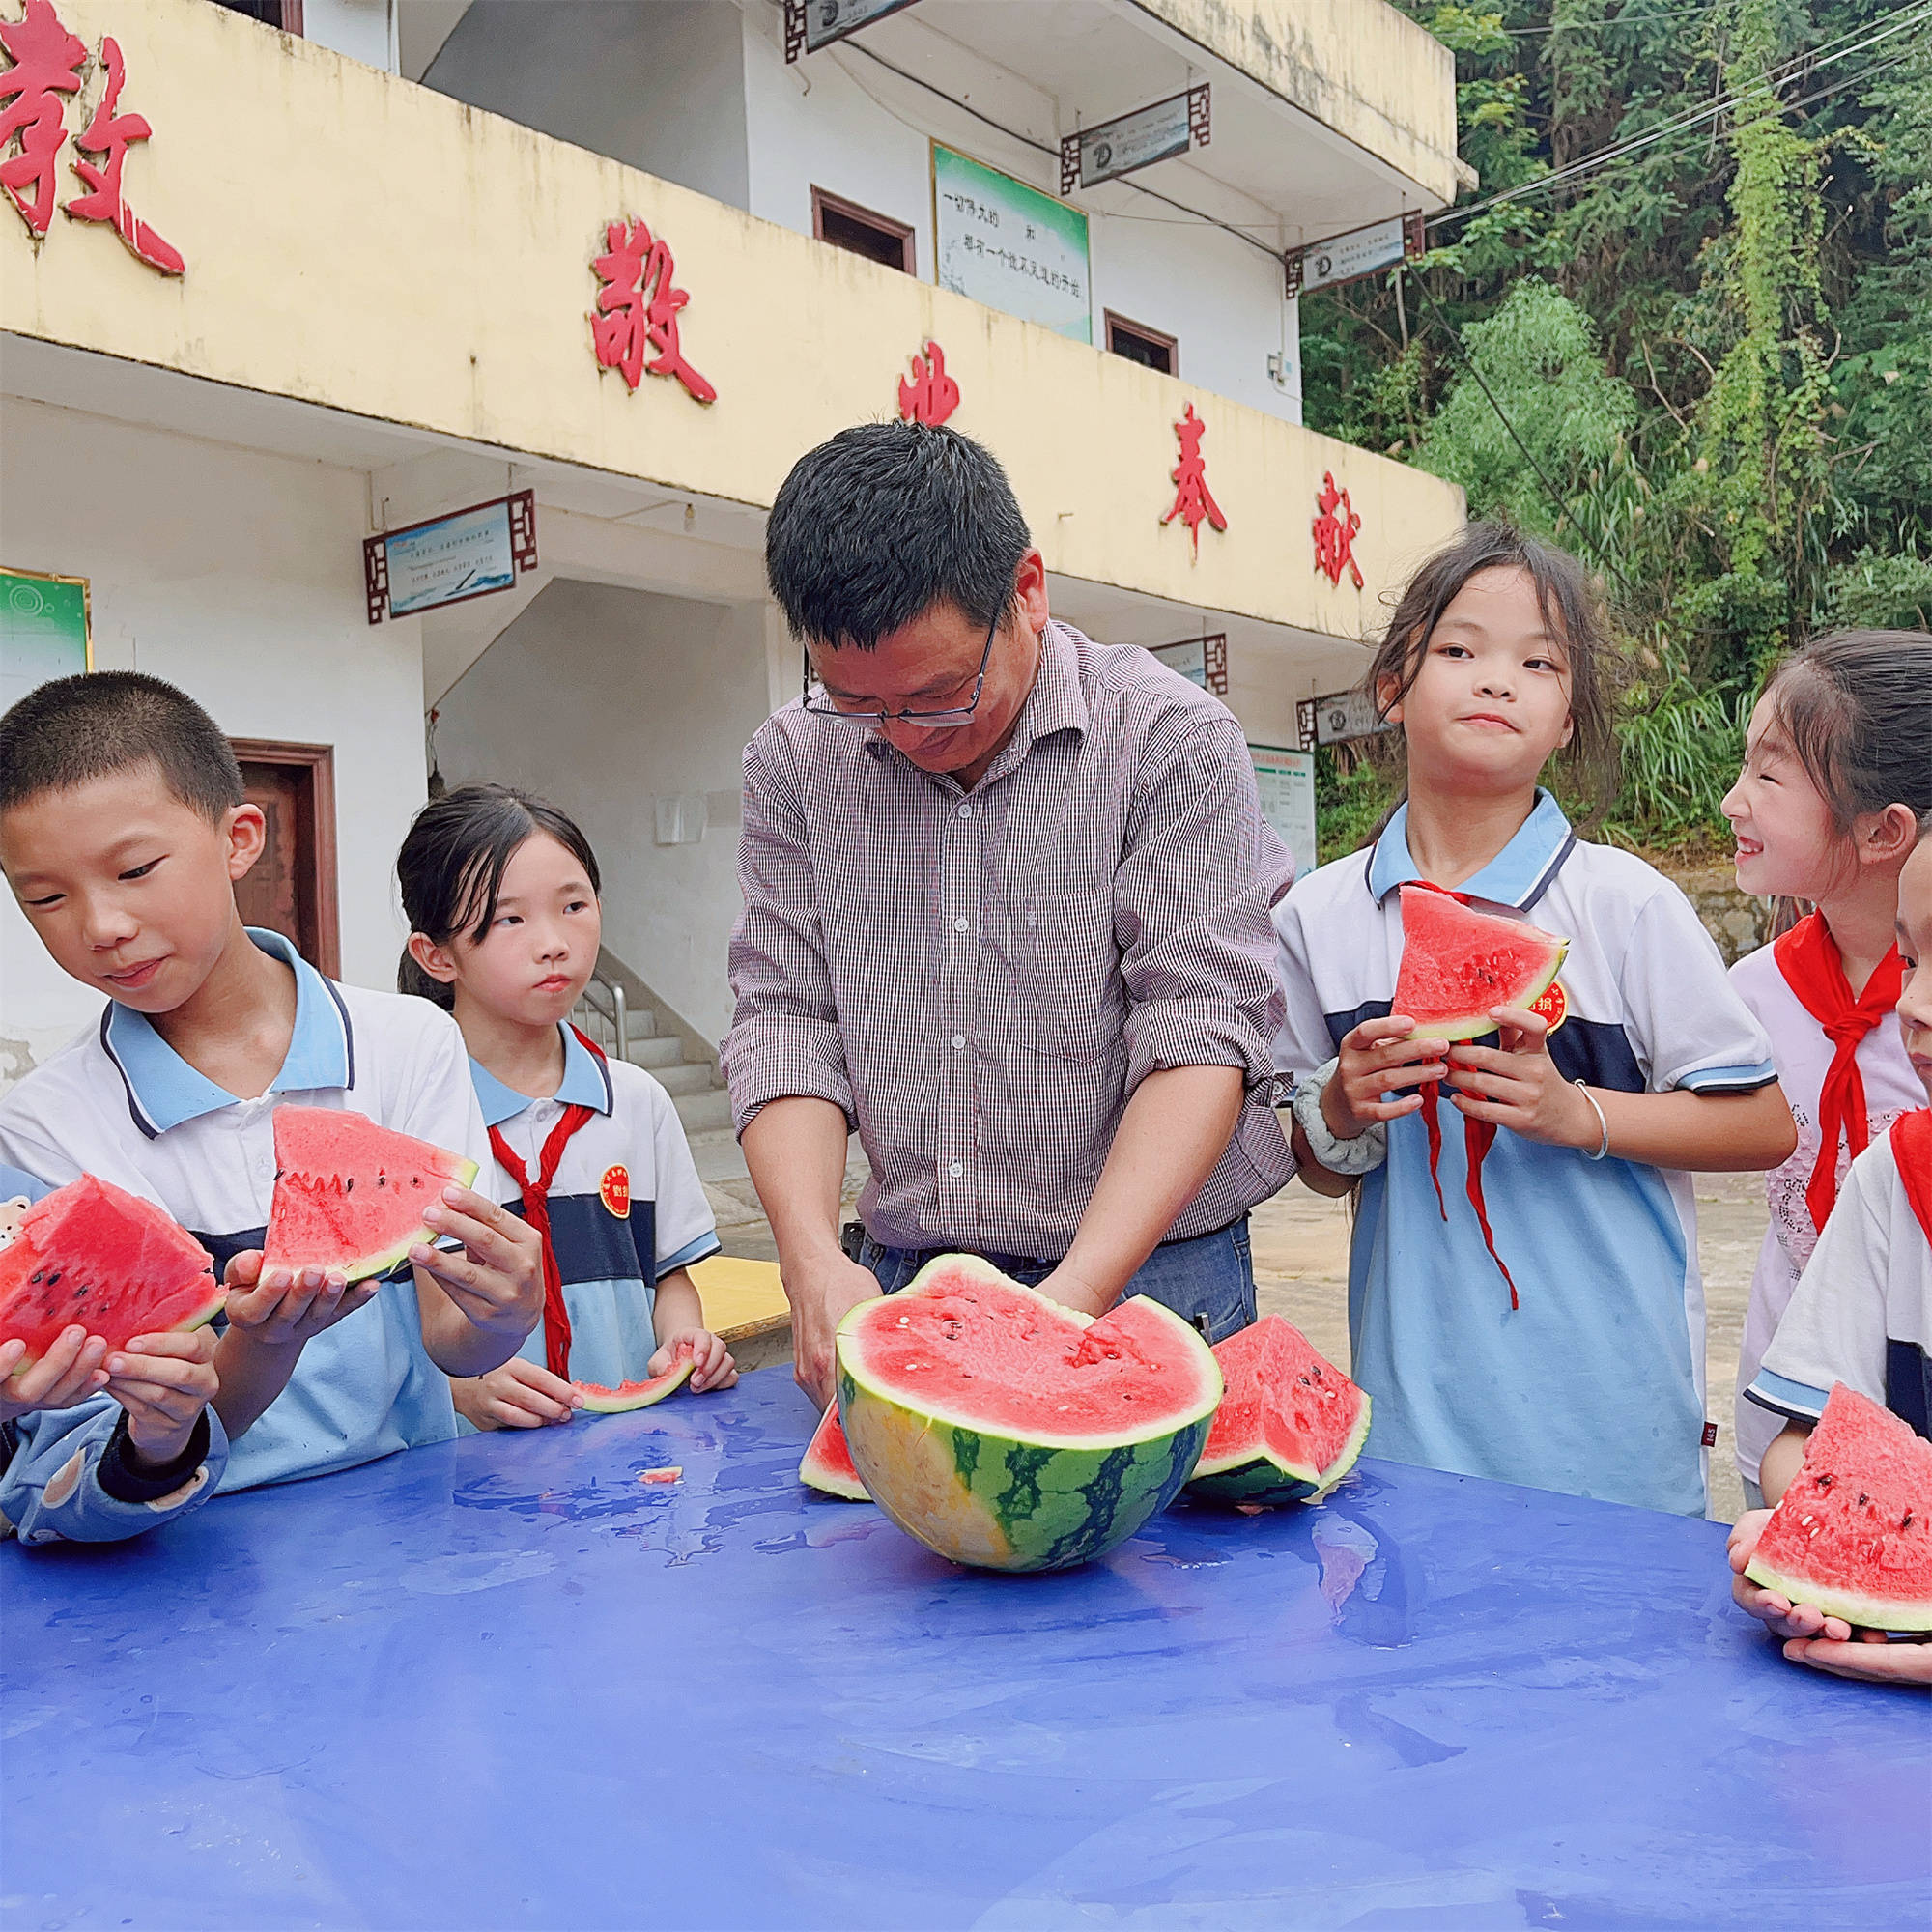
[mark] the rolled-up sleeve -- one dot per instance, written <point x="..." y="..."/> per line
<point x="1199" y="873"/>
<point x="67" y="1476"/>
<point x="784" y="1038"/>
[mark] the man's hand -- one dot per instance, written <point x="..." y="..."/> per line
<point x="283" y="1307"/>
<point x="1377" y="1058"/>
<point x="519" y="1395"/>
<point x="496" y="1283"/>
<point x="69" y="1373"/>
<point x="819" y="1295"/>
<point x="1517" y="1085"/>
<point x="711" y="1363"/>
<point x="163" y="1383"/>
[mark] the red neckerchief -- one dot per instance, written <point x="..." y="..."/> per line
<point x="536" y="1211"/>
<point x="1912" y="1150"/>
<point x="1807" y="955"/>
<point x="1478" y="1137"/>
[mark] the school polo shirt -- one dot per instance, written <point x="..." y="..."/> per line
<point x="1861" y="1313"/>
<point x="1596" y="1384"/>
<point x="121" y="1103"/>
<point x="626" y="1207"/>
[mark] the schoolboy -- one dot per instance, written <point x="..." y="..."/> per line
<point x="123" y="829"/>
<point x="1861" y="1314"/>
<point x="100" y="1446"/>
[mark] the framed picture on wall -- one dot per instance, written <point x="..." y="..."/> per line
<point x="46" y="630"/>
<point x="1011" y="247"/>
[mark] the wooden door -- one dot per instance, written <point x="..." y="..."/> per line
<point x="291" y="889"/>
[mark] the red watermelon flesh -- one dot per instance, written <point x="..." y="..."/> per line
<point x="1853" y="1534"/>
<point x="1458" y="964"/>
<point x="94" y="1253"/>
<point x="627" y="1396"/>
<point x="827" y="1464"/>
<point x="1290" y="1426"/>
<point x="350" y="1195"/>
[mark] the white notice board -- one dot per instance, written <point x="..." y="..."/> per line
<point x="1286" y="780"/>
<point x="1011" y="247"/>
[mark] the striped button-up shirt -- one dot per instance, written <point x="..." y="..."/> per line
<point x="980" y="980"/>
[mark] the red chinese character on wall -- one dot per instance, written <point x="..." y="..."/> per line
<point x="1193" y="503"/>
<point x="932" y="395"/>
<point x="1335" y="536"/>
<point x="636" y="310"/>
<point x="47" y="61"/>
<point x="110" y="134"/>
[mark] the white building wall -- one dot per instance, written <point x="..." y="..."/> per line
<point x="365" y="29"/>
<point x="238" y="576"/>
<point x="602" y="700"/>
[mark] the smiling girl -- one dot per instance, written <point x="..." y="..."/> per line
<point x="1580" y="1120"/>
<point x="1838" y="773"/>
<point x="500" y="892"/>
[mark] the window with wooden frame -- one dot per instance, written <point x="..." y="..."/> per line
<point x="291" y="889"/>
<point x="859" y="231"/>
<point x="1139" y="343"/>
<point x="287" y="14"/>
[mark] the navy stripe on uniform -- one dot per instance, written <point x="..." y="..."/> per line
<point x="592" y="1243"/>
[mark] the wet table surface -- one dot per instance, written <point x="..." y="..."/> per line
<point x="505" y="1682"/>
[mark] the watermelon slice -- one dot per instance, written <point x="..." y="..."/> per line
<point x="827" y="1462"/>
<point x="1458" y="964"/>
<point x="627" y="1396"/>
<point x="92" y="1253"/>
<point x="350" y="1195"/>
<point x="1289" y="1426"/>
<point x="1853" y="1534"/>
<point x="1003" y="1429"/>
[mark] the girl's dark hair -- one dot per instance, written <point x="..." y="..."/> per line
<point x="1572" y="609"/>
<point x="452" y="863"/>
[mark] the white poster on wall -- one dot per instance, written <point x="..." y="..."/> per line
<point x="1286" y="782"/>
<point x="1011" y="247"/>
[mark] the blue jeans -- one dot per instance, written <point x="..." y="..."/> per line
<point x="1208" y="1281"/>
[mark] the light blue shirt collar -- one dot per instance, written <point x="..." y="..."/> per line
<point x="163" y="1090"/>
<point x="586" y="1083"/>
<point x="1518" y="877"/>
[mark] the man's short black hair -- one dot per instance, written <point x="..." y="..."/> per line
<point x="874" y="527"/>
<point x="73" y="729"/>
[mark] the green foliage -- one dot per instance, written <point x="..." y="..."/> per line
<point x="1348" y="805"/>
<point x="1717" y="347"/>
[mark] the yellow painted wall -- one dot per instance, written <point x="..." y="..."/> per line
<point x="1360" y="67"/>
<point x="358" y="242"/>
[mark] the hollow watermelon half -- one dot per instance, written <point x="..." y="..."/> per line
<point x="827" y="1462"/>
<point x="1458" y="964"/>
<point x="350" y="1195"/>
<point x="1003" y="1429"/>
<point x="92" y="1253"/>
<point x="627" y="1396"/>
<point x="1289" y="1426"/>
<point x="1853" y="1534"/>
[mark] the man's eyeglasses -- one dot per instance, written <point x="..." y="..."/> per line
<point x="821" y="704"/>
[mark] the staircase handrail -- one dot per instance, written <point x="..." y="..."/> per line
<point x="606" y="998"/>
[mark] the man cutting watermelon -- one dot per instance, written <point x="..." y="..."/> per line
<point x="1006" y="914"/>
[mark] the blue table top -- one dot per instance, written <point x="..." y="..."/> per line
<point x="504" y="1683"/>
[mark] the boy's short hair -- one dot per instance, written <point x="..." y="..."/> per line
<point x="72" y="730"/>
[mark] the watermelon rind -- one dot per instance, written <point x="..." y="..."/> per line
<point x="1884" y="1614"/>
<point x="1266" y="1478"/>
<point x="628" y="1396"/>
<point x="827" y="1464"/>
<point x="986" y="1498"/>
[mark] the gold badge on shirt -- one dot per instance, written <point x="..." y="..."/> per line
<point x="615" y="1190"/>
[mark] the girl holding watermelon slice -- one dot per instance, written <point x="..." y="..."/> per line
<point x="1524" y="1300"/>
<point x="1836" y="776"/>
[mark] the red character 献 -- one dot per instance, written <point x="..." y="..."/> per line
<point x="47" y="61"/>
<point x="1335" y="536"/>
<point x="636" y="310"/>
<point x="110" y="134"/>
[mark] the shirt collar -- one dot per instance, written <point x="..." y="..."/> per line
<point x="586" y="1083"/>
<point x="1518" y="877"/>
<point x="163" y="1090"/>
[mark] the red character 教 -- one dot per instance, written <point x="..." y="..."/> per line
<point x="1193" y="502"/>
<point x="636" y="310"/>
<point x="110" y="134"/>
<point x="47" y="61"/>
<point x="1335" y="535"/>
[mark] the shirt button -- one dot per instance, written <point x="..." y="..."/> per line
<point x="958" y="1042"/>
<point x="957" y="1168"/>
<point x="965" y="811"/>
<point x="963" y="925"/>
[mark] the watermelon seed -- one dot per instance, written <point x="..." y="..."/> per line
<point x="348" y="1185"/>
<point x="1864" y="1499"/>
<point x="1905" y="1522"/>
